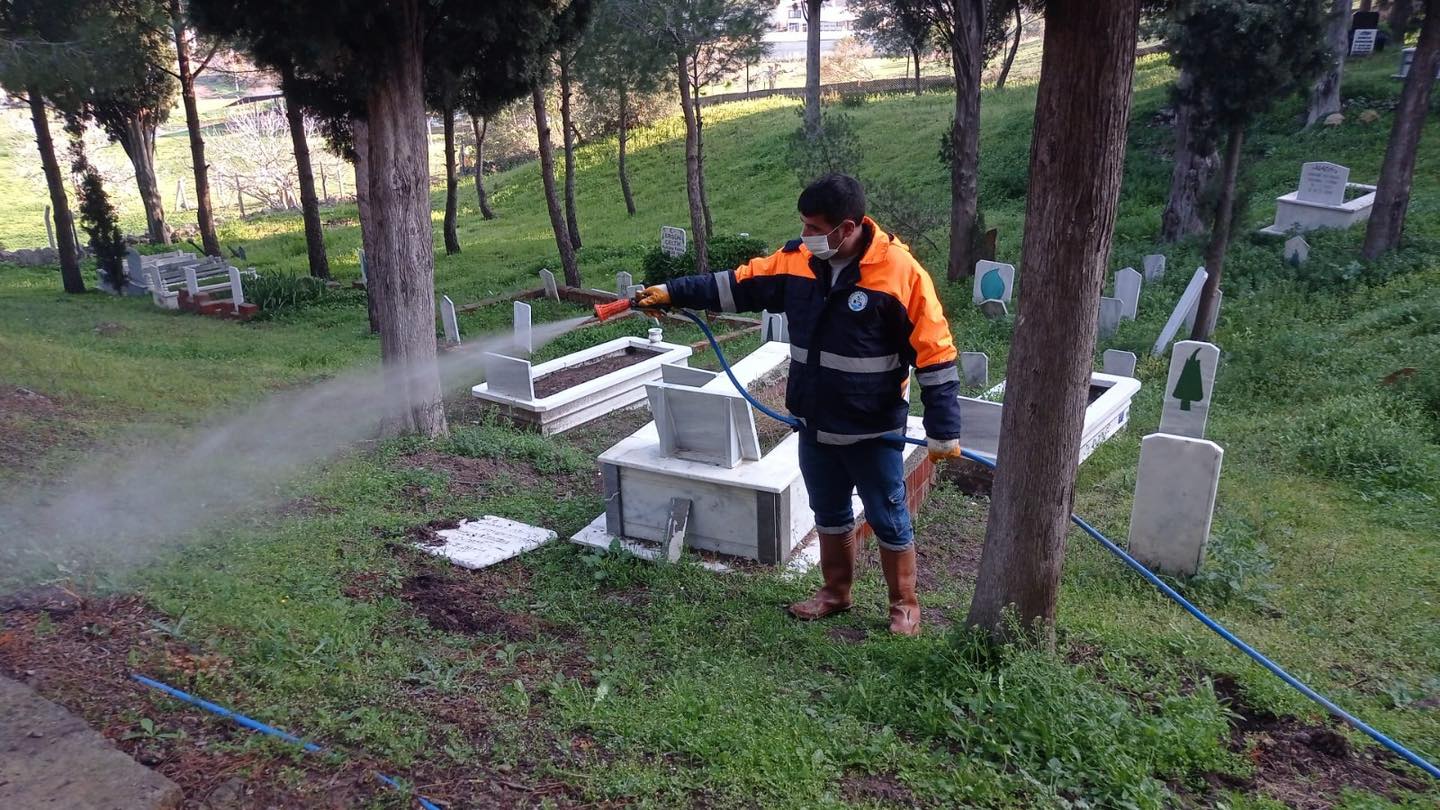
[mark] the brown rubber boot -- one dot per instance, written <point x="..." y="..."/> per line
<point x="837" y="566"/>
<point x="900" y="579"/>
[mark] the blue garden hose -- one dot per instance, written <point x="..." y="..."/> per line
<point x="1219" y="629"/>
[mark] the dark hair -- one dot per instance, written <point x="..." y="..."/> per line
<point x="836" y="197"/>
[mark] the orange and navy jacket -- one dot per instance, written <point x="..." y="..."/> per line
<point x="851" y="346"/>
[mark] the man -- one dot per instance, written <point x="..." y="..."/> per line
<point x="861" y="313"/>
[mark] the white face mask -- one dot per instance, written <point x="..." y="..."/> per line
<point x="819" y="245"/>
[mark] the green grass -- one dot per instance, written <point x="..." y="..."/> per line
<point x="667" y="685"/>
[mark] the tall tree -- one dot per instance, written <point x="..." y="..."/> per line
<point x="1325" y="95"/>
<point x="897" y="27"/>
<point x="961" y="27"/>
<point x="812" y="68"/>
<point x="480" y="125"/>
<point x="1076" y="158"/>
<point x="1399" y="19"/>
<point x="1012" y="35"/>
<point x="309" y="202"/>
<point x="187" y="71"/>
<point x="59" y="204"/>
<point x="552" y="197"/>
<point x="1244" y="55"/>
<point x="1194" y="168"/>
<point x="565" y="60"/>
<point x="442" y="92"/>
<point x="373" y="56"/>
<point x="1392" y="193"/>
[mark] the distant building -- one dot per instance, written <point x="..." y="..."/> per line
<point x="789" y="28"/>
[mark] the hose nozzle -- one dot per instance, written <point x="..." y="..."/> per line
<point x="614" y="309"/>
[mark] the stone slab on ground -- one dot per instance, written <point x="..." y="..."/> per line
<point x="50" y="758"/>
<point x="477" y="544"/>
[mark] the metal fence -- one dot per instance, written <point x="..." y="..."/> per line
<point x="898" y="85"/>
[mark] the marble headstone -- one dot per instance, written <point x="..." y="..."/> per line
<point x="975" y="368"/>
<point x="1127" y="289"/>
<point x="672" y="240"/>
<point x="524" y="340"/>
<point x="1297" y="250"/>
<point x="1111" y="311"/>
<point x="1188" y="388"/>
<point x="509" y="376"/>
<point x="1154" y="267"/>
<point x="774" y="326"/>
<point x="1119" y="363"/>
<point x="1174" y="502"/>
<point x="993" y="281"/>
<point x="1322" y="182"/>
<point x="449" y="321"/>
<point x="1363" y="41"/>
<point x="1214" y="314"/>
<point x="709" y="427"/>
<point x="552" y="290"/>
<point x="622" y="283"/>
<point x="1177" y="316"/>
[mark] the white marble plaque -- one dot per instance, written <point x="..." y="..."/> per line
<point x="1297" y="250"/>
<point x="524" y="339"/>
<point x="622" y="283"/>
<point x="1111" y="311"/>
<point x="1177" y="316"/>
<point x="1214" y="314"/>
<point x="1363" y="42"/>
<point x="672" y="240"/>
<point x="975" y="368"/>
<point x="1154" y="267"/>
<point x="1127" y="289"/>
<point x="1119" y="363"/>
<point x="1188" y="388"/>
<point x="710" y="427"/>
<point x="449" y="321"/>
<point x="509" y="376"/>
<point x="1174" y="502"/>
<point x="993" y="281"/>
<point x="1322" y="182"/>
<point x="476" y="544"/>
<point x="552" y="290"/>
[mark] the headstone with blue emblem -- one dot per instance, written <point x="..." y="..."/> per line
<point x="994" y="281"/>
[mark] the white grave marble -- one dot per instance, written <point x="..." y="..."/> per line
<point x="1154" y="267"/>
<point x="1106" y="416"/>
<point x="1362" y="42"/>
<point x="1407" y="59"/>
<point x="1188" y="388"/>
<point x="1182" y="308"/>
<point x="552" y="289"/>
<point x="477" y="544"/>
<point x="993" y="309"/>
<point x="710" y="426"/>
<point x="524" y="335"/>
<point x="1127" y="289"/>
<point x="1322" y="182"/>
<point x="1112" y="310"/>
<point x="1297" y="250"/>
<point x="993" y="281"/>
<point x="774" y="326"/>
<point x="449" y="321"/>
<point x="1119" y="363"/>
<point x="975" y="368"/>
<point x="623" y="282"/>
<point x="1214" y="314"/>
<point x="672" y="240"/>
<point x="1320" y="202"/>
<point x="1174" y="502"/>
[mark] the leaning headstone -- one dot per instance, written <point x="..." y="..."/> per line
<point x="623" y="282"/>
<point x="49" y="229"/>
<point x="1154" y="268"/>
<point x="449" y="321"/>
<point x="1127" y="289"/>
<point x="1214" y="314"/>
<point x="1111" y="312"/>
<point x="993" y="309"/>
<point x="1174" y="502"/>
<point x="524" y="341"/>
<point x="552" y="290"/>
<point x="1297" y="250"/>
<point x="774" y="326"/>
<point x="993" y="281"/>
<point x="1362" y="42"/>
<point x="1188" y="388"/>
<point x="1177" y="316"/>
<point x="1119" y="363"/>
<point x="975" y="368"/>
<point x="1322" y="182"/>
<point x="672" y="240"/>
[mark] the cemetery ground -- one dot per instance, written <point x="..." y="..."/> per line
<point x="568" y="677"/>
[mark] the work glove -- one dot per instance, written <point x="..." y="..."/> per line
<point x="941" y="449"/>
<point x="652" y="299"/>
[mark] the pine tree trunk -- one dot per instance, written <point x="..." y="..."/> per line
<point x="481" y="127"/>
<point x="1325" y="96"/>
<point x="692" y="167"/>
<point x="1195" y="164"/>
<point x="1399" y="20"/>
<point x="567" y="127"/>
<point x="1392" y="193"/>
<point x="1010" y="57"/>
<point x="402" y="264"/>
<point x="966" y="52"/>
<point x="552" y="200"/>
<point x="362" y="207"/>
<point x="138" y="141"/>
<point x="1219" y="235"/>
<point x="915" y="54"/>
<point x="812" y="69"/>
<point x="624" y="136"/>
<point x="204" y="214"/>
<point x="309" y="202"/>
<point x="700" y="149"/>
<point x="1076" y="160"/>
<point x="59" y="204"/>
<point x="452" y="186"/>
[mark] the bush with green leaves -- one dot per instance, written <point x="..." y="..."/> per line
<point x="101" y="224"/>
<point x="725" y="252"/>
<point x="281" y="293"/>
<point x="836" y="150"/>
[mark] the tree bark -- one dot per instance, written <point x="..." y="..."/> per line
<point x="624" y="136"/>
<point x="204" y="213"/>
<point x="481" y="126"/>
<point x="362" y="207"/>
<point x="1325" y="96"/>
<point x="1392" y="193"/>
<point x="700" y="149"/>
<point x="567" y="127"/>
<point x="1195" y="163"/>
<point x="138" y="141"/>
<point x="309" y="202"/>
<point x="1076" y="160"/>
<point x="692" y="167"/>
<point x="1010" y="57"/>
<point x="452" y="185"/>
<point x="1219" y="235"/>
<point x="402" y="264"/>
<point x="812" y="69"/>
<point x="915" y="54"/>
<point x="552" y="200"/>
<point x="59" y="204"/>
<point x="966" y="54"/>
<point x="1399" y="20"/>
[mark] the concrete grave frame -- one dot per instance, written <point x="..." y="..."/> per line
<point x="1293" y="213"/>
<point x="1106" y="416"/>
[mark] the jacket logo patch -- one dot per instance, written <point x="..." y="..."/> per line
<point x="858" y="300"/>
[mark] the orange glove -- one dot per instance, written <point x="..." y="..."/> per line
<point x="942" y="449"/>
<point x="652" y="299"/>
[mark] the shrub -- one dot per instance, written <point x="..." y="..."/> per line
<point x="836" y="150"/>
<point x="277" y="293"/>
<point x="725" y="252"/>
<point x="98" y="218"/>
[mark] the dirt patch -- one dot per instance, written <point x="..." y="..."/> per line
<point x="883" y="788"/>
<point x="847" y="635"/>
<point x="466" y="476"/>
<point x="109" y="328"/>
<point x="54" y="600"/>
<point x="30" y="424"/>
<point x="970" y="477"/>
<point x="429" y="534"/>
<point x="307" y="506"/>
<point x="455" y="605"/>
<point x="770" y="391"/>
<point x="571" y="376"/>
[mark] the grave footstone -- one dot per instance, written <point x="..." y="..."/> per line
<point x="1177" y="316"/>
<point x="1214" y="314"/>
<point x="523" y="334"/>
<point x="774" y="327"/>
<point x="449" y="321"/>
<point x="993" y="309"/>
<point x="1111" y="311"/>
<point x="1154" y="268"/>
<point x="1127" y="289"/>
<point x="1188" y="388"/>
<point x="1297" y="250"/>
<point x="994" y="281"/>
<point x="476" y="544"/>
<point x="552" y="290"/>
<point x="1174" y="503"/>
<point x="975" y="368"/>
<point x="623" y="281"/>
<point x="1322" y="182"/>
<point x="1119" y="363"/>
<point x="672" y="240"/>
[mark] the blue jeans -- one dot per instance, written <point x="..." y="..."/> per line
<point x="874" y="468"/>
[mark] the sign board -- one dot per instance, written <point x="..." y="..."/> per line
<point x="672" y="240"/>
